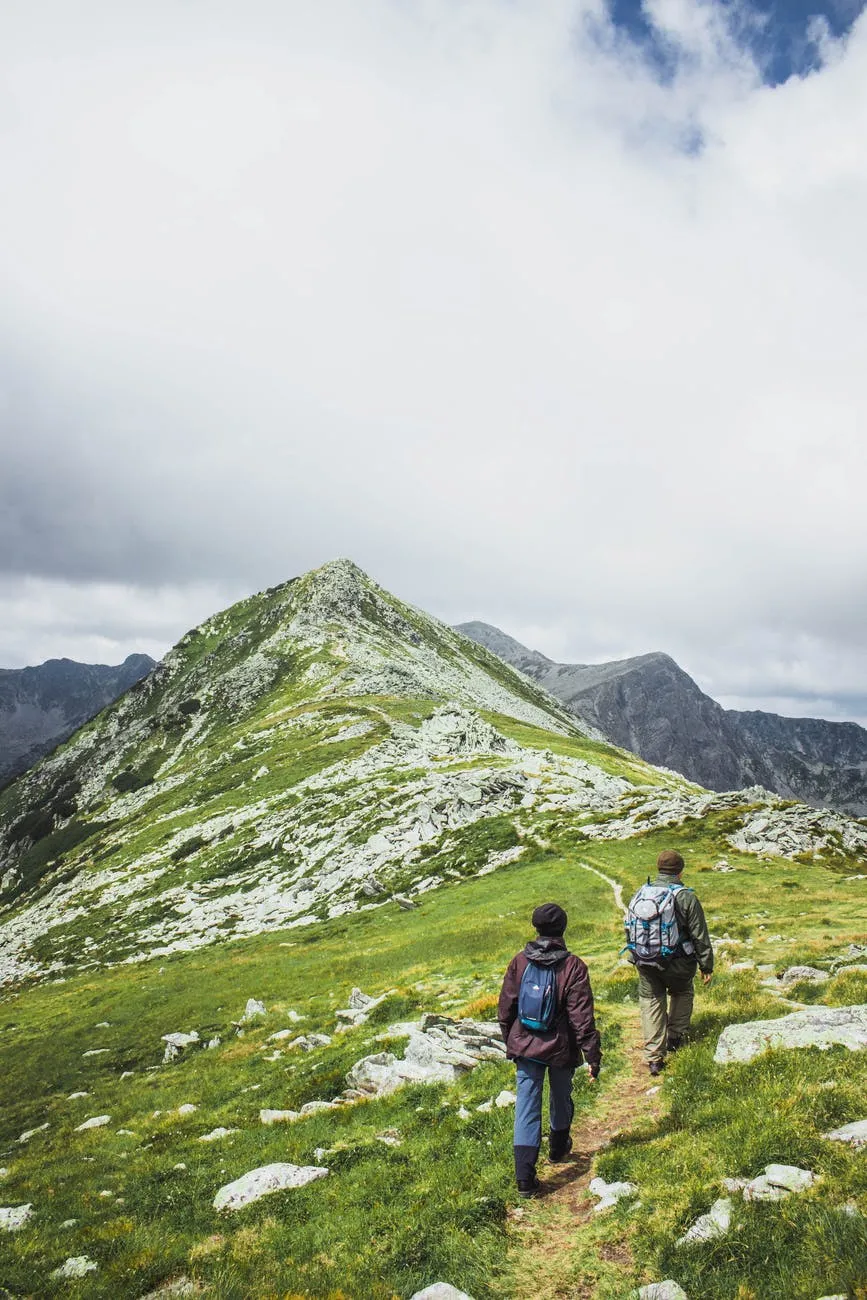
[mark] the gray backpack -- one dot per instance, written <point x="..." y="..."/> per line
<point x="652" y="927"/>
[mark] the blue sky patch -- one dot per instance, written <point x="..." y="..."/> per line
<point x="782" y="41"/>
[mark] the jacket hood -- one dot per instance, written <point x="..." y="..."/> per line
<point x="546" y="951"/>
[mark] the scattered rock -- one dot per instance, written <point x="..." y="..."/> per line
<point x="854" y="1133"/>
<point x="213" y="1042"/>
<point x="176" y="1043"/>
<point x="74" y="1096"/>
<point x="96" y="1051"/>
<point x="127" y="1074"/>
<point x="486" y="1107"/>
<point x="390" y="1137"/>
<point x="463" y="1113"/>
<point x="722" y="865"/>
<point x="261" y="1182"/>
<point x="125" y="1133"/>
<point x="180" y="1166"/>
<point x="96" y="1121"/>
<point x="359" y="1009"/>
<point x="438" y="1050"/>
<point x="797" y="973"/>
<point x="777" y="1182"/>
<point x="504" y="1099"/>
<point x="440" y="1291"/>
<point x="217" y="1133"/>
<point x="267" y="1116"/>
<point x="14" y="1217"/>
<point x="181" y="1288"/>
<point x="186" y="1109"/>
<point x="610" y="1193"/>
<point x="279" y="1036"/>
<point x="812" y="1027"/>
<point x="667" y="1290"/>
<point x="253" y="1010"/>
<point x="31" y="1132"/>
<point x="406" y="903"/>
<point x="309" y="1042"/>
<point x="69" y="1223"/>
<point x="76" y="1266"/>
<point x="371" y="887"/>
<point x="715" y="1223"/>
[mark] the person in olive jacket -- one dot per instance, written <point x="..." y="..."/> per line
<point x="572" y="1039"/>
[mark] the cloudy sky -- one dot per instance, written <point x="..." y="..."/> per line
<point x="546" y="312"/>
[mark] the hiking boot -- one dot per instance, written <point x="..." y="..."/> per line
<point x="559" y="1145"/>
<point x="656" y="1068"/>
<point x="529" y="1187"/>
<point x="525" y="1170"/>
<point x="674" y="1043"/>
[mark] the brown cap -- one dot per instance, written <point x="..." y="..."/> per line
<point x="669" y="862"/>
<point x="549" y="919"/>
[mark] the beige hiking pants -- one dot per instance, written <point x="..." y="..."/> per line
<point x="665" y="999"/>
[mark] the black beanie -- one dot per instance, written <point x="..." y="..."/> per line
<point x="550" y="920"/>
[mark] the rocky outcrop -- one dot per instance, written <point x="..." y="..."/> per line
<point x="649" y="705"/>
<point x="813" y="1027"/>
<point x="41" y="707"/>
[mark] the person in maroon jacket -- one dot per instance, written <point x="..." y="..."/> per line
<point x="572" y="1038"/>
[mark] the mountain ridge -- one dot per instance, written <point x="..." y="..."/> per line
<point x="42" y="705"/>
<point x="650" y="705"/>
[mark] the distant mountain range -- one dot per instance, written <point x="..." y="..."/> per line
<point x="41" y="707"/>
<point x="649" y="705"/>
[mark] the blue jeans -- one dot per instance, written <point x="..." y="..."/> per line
<point x="528" y="1109"/>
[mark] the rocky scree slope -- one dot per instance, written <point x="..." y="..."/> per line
<point x="649" y="705"/>
<point x="317" y="749"/>
<point x="41" y="707"/>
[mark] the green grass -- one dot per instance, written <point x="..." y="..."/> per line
<point x="389" y="1220"/>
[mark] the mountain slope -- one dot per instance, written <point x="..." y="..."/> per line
<point x="41" y="707"/>
<point x="649" y="705"/>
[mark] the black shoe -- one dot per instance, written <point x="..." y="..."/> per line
<point x="528" y="1188"/>
<point x="559" y="1145"/>
<point x="525" y="1169"/>
<point x="674" y="1043"/>
<point x="656" y="1068"/>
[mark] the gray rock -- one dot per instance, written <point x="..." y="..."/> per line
<point x="217" y="1133"/>
<point x="264" y="1181"/>
<point x="440" y="1291"/>
<point x="180" y="1289"/>
<point x="797" y="973"/>
<point x="278" y="1116"/>
<point x="14" y="1217"/>
<point x="309" y="1042"/>
<point x="715" y="1223"/>
<point x="402" y="901"/>
<point x="177" y="1043"/>
<point x="96" y="1121"/>
<point x="76" y="1266"/>
<point x="855" y="1133"/>
<point x="31" y="1132"/>
<point x="667" y="1290"/>
<point x="777" y="1182"/>
<point x="813" y="1027"/>
<point x="610" y="1193"/>
<point x="253" y="1010"/>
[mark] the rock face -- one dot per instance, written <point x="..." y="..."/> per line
<point x="41" y="707"/>
<point x="812" y="1027"/>
<point x="649" y="705"/>
<point x="264" y="1182"/>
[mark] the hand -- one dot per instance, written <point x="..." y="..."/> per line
<point x="593" y="1077"/>
<point x="706" y="977"/>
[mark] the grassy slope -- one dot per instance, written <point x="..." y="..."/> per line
<point x="388" y="1220"/>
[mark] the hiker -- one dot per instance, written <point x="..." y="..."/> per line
<point x="668" y="940"/>
<point x="546" y="1019"/>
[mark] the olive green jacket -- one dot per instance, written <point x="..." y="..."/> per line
<point x="691" y="914"/>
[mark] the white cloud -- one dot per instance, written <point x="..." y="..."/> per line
<point x="438" y="287"/>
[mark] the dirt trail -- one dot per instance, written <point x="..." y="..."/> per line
<point x="544" y="1230"/>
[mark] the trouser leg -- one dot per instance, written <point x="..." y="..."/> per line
<point x="528" y="1118"/>
<point x="561" y="1109"/>
<point x="654" y="1015"/>
<point x="680" y="1012"/>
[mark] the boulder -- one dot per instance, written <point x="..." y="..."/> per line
<point x="778" y="1182"/>
<point x="854" y="1133"/>
<point x="14" y="1217"/>
<point x="264" y="1181"/>
<point x="812" y="973"/>
<point x="278" y="1116"/>
<point x="76" y="1266"/>
<point x="176" y="1043"/>
<point x="667" y="1290"/>
<point x="309" y="1042"/>
<point x="813" y="1027"/>
<point x="610" y="1193"/>
<point x="440" y="1291"/>
<point x="95" y="1121"/>
<point x="31" y="1132"/>
<point x="253" y="1010"/>
<point x="715" y="1223"/>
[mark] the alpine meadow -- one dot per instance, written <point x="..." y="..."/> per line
<point x="254" y="916"/>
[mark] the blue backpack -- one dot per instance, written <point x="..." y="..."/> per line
<point x="537" y="997"/>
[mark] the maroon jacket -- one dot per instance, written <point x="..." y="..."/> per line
<point x="573" y="1037"/>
